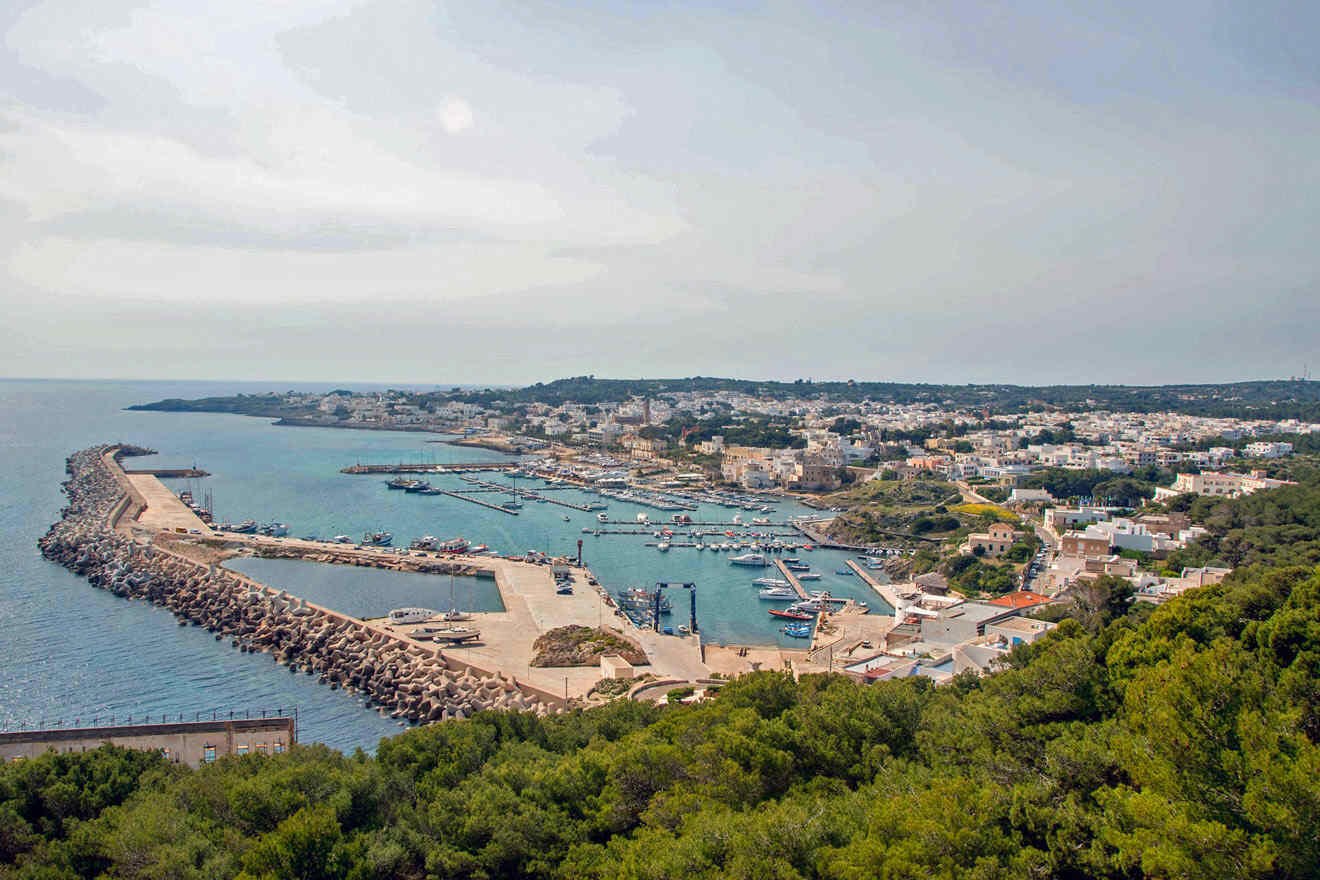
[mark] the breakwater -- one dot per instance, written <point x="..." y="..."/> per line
<point x="403" y="678"/>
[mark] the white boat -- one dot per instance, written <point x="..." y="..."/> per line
<point x="777" y="593"/>
<point x="753" y="559"/>
<point x="808" y="576"/>
<point x="411" y="615"/>
<point x="342" y="539"/>
<point x="600" y="517"/>
<point x="770" y="582"/>
<point x="565" y="519"/>
<point x="663" y="546"/>
<point x="760" y="521"/>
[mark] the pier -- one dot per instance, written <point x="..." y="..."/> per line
<point x="472" y="500"/>
<point x="886" y="591"/>
<point x="792" y="579"/>
<point x="525" y="493"/>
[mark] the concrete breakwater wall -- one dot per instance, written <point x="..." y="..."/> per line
<point x="403" y="678"/>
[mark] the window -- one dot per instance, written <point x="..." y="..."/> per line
<point x="241" y="750"/>
<point x="208" y="754"/>
<point x="279" y="747"/>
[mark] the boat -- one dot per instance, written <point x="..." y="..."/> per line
<point x="753" y="559"/>
<point x="790" y="614"/>
<point x="777" y="593"/>
<point x="808" y="576"/>
<point x="451" y="634"/>
<point x="417" y="486"/>
<point x="426" y="543"/>
<point x="453" y="545"/>
<point x="377" y="539"/>
<point x="342" y="539"/>
<point x="770" y="582"/>
<point x="480" y="548"/>
<point x="410" y="615"/>
<point x="663" y="546"/>
<point x="796" y="633"/>
<point x="797" y="566"/>
<point x="246" y="527"/>
<point x="760" y="521"/>
<point x="453" y="615"/>
<point x="847" y="572"/>
<point x="565" y="518"/>
<point x="512" y="505"/>
<point x="809" y="606"/>
<point x="399" y="483"/>
<point x="642" y="599"/>
<point x="600" y="517"/>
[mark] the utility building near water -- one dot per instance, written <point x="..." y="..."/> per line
<point x="187" y="742"/>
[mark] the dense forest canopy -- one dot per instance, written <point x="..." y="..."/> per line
<point x="1133" y="741"/>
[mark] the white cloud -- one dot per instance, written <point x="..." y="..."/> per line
<point x="456" y="115"/>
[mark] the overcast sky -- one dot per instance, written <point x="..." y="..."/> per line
<point x="488" y="192"/>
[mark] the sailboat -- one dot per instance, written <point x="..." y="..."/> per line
<point x="453" y="614"/>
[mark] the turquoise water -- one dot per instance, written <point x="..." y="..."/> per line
<point x="68" y="650"/>
<point x="369" y="593"/>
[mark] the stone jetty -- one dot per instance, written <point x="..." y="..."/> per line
<point x="402" y="678"/>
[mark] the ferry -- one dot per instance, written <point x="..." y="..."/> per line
<point x="377" y="539"/>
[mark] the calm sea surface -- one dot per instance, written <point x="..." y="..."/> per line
<point x="70" y="651"/>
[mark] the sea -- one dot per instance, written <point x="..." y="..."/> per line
<point x="74" y="655"/>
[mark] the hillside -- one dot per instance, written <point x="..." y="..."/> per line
<point x="1178" y="742"/>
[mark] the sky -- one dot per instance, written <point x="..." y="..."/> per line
<point x="393" y="190"/>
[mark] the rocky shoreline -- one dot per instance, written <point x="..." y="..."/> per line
<point x="401" y="678"/>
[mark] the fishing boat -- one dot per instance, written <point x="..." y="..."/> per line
<point x="796" y="633"/>
<point x="246" y="527"/>
<point x="377" y="539"/>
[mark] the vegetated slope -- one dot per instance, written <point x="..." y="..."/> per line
<point x="1171" y="742"/>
